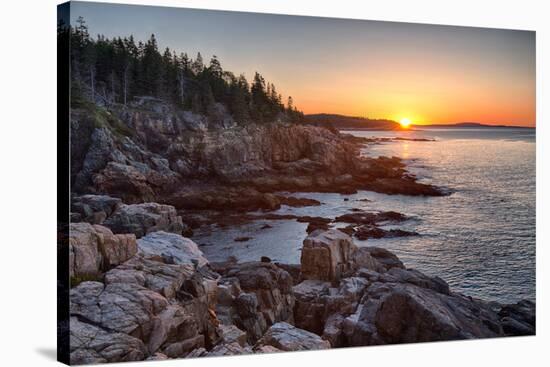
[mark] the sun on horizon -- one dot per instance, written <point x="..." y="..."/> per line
<point x="405" y="122"/>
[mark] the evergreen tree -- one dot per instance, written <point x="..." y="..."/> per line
<point x="119" y="69"/>
<point x="198" y="64"/>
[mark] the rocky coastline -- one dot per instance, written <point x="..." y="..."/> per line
<point x="141" y="155"/>
<point x="144" y="178"/>
<point x="158" y="297"/>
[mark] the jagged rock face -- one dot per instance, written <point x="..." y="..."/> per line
<point x="163" y="149"/>
<point x="141" y="155"/>
<point x="152" y="273"/>
<point x="317" y="301"/>
<point x="224" y="198"/>
<point x="230" y="349"/>
<point x="94" y="209"/>
<point x="141" y="219"/>
<point x="107" y="162"/>
<point x="167" y="302"/>
<point x="254" y="296"/>
<point x="376" y="300"/>
<point x="165" y="306"/>
<point x="134" y="183"/>
<point x="173" y="248"/>
<point x="232" y="334"/>
<point x="94" y="248"/>
<point x="93" y="345"/>
<point x="234" y="154"/>
<point x="404" y="313"/>
<point x="387" y="259"/>
<point x="286" y="337"/>
<point x="326" y="255"/>
<point x="519" y="318"/>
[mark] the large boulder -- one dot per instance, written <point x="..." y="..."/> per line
<point x="172" y="247"/>
<point x="144" y="218"/>
<point x="286" y="337"/>
<point x="94" y="248"/>
<point x="326" y="255"/>
<point x="152" y="273"/>
<point x="387" y="259"/>
<point x="232" y="334"/>
<point x="519" y="318"/>
<point x="392" y="313"/>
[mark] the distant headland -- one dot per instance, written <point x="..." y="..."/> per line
<point x="344" y="122"/>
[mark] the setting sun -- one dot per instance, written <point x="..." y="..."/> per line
<point x="405" y="122"/>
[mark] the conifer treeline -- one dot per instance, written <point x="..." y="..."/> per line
<point x="119" y="69"/>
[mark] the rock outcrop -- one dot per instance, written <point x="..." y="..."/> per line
<point x="406" y="313"/>
<point x="141" y="157"/>
<point x="254" y="296"/>
<point x="94" y="249"/>
<point x="326" y="255"/>
<point x="92" y="345"/>
<point x="141" y="219"/>
<point x="379" y="301"/>
<point x="149" y="305"/>
<point x="173" y="248"/>
<point x="168" y="301"/>
<point x="94" y="209"/>
<point x="288" y="338"/>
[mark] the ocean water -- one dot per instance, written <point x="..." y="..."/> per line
<point x="480" y="239"/>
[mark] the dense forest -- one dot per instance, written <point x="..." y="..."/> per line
<point x="115" y="71"/>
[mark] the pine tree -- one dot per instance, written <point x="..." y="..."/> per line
<point x="198" y="64"/>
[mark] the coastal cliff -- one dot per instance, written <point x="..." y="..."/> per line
<point x="159" y="154"/>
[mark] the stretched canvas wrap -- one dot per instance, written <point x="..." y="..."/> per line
<point x="237" y="183"/>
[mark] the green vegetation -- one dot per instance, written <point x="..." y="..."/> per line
<point x="114" y="71"/>
<point x="76" y="280"/>
<point x="101" y="117"/>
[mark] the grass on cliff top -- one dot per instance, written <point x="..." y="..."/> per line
<point x="101" y="117"/>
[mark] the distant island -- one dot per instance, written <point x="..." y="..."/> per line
<point x="472" y="125"/>
<point x="350" y="122"/>
<point x="343" y="122"/>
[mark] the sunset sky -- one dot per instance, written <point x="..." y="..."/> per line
<point x="427" y="73"/>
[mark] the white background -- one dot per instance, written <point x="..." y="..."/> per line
<point x="28" y="181"/>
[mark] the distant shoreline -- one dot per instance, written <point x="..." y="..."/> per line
<point x="442" y="127"/>
<point x="343" y="122"/>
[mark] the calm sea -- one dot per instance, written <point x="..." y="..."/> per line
<point x="480" y="239"/>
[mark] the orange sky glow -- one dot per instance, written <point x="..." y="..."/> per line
<point x="426" y="73"/>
